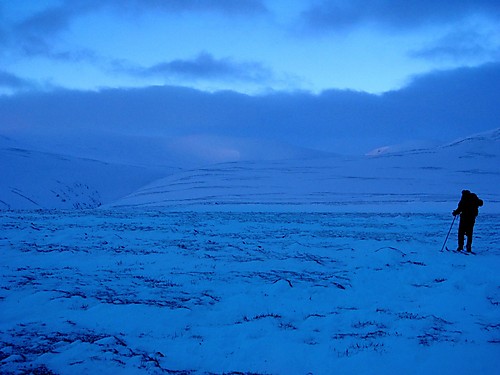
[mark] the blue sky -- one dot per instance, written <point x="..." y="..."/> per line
<point x="316" y="73"/>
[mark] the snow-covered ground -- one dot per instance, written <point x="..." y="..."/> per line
<point x="322" y="265"/>
<point x="151" y="292"/>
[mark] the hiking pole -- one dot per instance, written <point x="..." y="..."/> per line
<point x="446" y="239"/>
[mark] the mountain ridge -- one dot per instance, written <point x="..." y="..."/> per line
<point x="415" y="179"/>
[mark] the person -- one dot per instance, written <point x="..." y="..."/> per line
<point x="468" y="209"/>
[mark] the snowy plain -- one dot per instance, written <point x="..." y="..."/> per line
<point x="310" y="266"/>
<point x="269" y="293"/>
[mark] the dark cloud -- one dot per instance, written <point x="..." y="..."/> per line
<point x="459" y="45"/>
<point x="54" y="19"/>
<point x="11" y="81"/>
<point x="206" y="67"/>
<point x="51" y="20"/>
<point x="34" y="35"/>
<point x="439" y="106"/>
<point x="342" y="14"/>
<point x="455" y="102"/>
<point x="230" y="7"/>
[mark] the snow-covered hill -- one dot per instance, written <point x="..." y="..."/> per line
<point x="84" y="171"/>
<point x="424" y="179"/>
<point x="33" y="179"/>
<point x="283" y="178"/>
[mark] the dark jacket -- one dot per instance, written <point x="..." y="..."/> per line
<point x="468" y="205"/>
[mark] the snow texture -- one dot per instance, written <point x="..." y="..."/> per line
<point x="328" y="265"/>
<point x="267" y="293"/>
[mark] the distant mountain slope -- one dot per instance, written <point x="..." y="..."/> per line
<point x="71" y="171"/>
<point x="33" y="179"/>
<point x="413" y="180"/>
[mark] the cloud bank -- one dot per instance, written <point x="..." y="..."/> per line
<point x="34" y="34"/>
<point x="439" y="106"/>
<point x="460" y="45"/>
<point x="342" y="14"/>
<point x="205" y="67"/>
<point x="61" y="34"/>
<point x="11" y="81"/>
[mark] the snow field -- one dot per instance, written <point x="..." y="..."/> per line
<point x="250" y="292"/>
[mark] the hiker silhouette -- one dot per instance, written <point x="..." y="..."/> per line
<point x="468" y="209"/>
